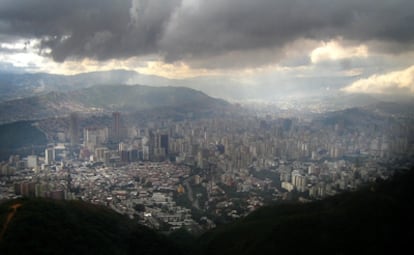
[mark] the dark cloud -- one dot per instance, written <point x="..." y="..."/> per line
<point x="100" y="29"/>
<point x="196" y="31"/>
<point x="218" y="27"/>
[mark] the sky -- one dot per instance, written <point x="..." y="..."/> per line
<point x="358" y="46"/>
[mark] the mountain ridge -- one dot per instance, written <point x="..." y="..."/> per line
<point x="21" y="85"/>
<point x="98" y="99"/>
<point x="14" y="85"/>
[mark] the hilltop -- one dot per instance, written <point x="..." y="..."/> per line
<point x="38" y="226"/>
<point x="21" y="85"/>
<point x="98" y="99"/>
<point x="374" y="220"/>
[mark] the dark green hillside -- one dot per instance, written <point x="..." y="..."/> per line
<point x="53" y="227"/>
<point x="19" y="135"/>
<point x="376" y="220"/>
<point x="135" y="98"/>
<point x="127" y="99"/>
<point x="53" y="104"/>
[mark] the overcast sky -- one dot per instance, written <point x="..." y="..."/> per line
<point x="363" y="46"/>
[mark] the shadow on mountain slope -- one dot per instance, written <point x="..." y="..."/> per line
<point x="374" y="220"/>
<point x="53" y="227"/>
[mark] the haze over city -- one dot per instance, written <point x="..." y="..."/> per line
<point x="206" y="127"/>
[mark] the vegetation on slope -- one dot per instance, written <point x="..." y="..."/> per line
<point x="134" y="98"/>
<point x="57" y="227"/>
<point x="109" y="97"/>
<point x="375" y="220"/>
<point x="17" y="135"/>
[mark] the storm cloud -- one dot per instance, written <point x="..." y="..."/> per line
<point x="202" y="33"/>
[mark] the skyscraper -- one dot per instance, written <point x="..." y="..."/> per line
<point x="94" y="137"/>
<point x="74" y="129"/>
<point x="49" y="155"/>
<point x="164" y="143"/>
<point x="116" y="126"/>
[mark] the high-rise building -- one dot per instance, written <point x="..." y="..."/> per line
<point x="152" y="145"/>
<point x="100" y="153"/>
<point x="49" y="155"/>
<point x="158" y="146"/>
<point x="32" y="161"/>
<point x="164" y="143"/>
<point x="116" y="126"/>
<point x="299" y="181"/>
<point x="74" y="129"/>
<point x="94" y="137"/>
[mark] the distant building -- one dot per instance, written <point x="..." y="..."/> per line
<point x="158" y="146"/>
<point x="100" y="154"/>
<point x="299" y="181"/>
<point x="74" y="129"/>
<point x="59" y="152"/>
<point x="94" y="137"/>
<point x="164" y="143"/>
<point x="32" y="162"/>
<point x="128" y="153"/>
<point x="49" y="156"/>
<point x="116" y="126"/>
<point x="7" y="170"/>
<point x="287" y="186"/>
<point x="27" y="189"/>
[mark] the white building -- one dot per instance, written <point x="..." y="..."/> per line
<point x="32" y="162"/>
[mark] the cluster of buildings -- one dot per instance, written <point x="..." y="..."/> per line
<point x="238" y="142"/>
<point x="223" y="166"/>
<point x="139" y="190"/>
<point x="143" y="191"/>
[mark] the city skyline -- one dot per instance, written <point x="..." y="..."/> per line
<point x="206" y="127"/>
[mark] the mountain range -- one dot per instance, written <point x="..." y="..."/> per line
<point x="14" y="85"/>
<point x="98" y="99"/>
<point x="21" y="85"/>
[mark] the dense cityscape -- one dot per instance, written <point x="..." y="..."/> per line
<point x="198" y="173"/>
<point x="206" y="127"/>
